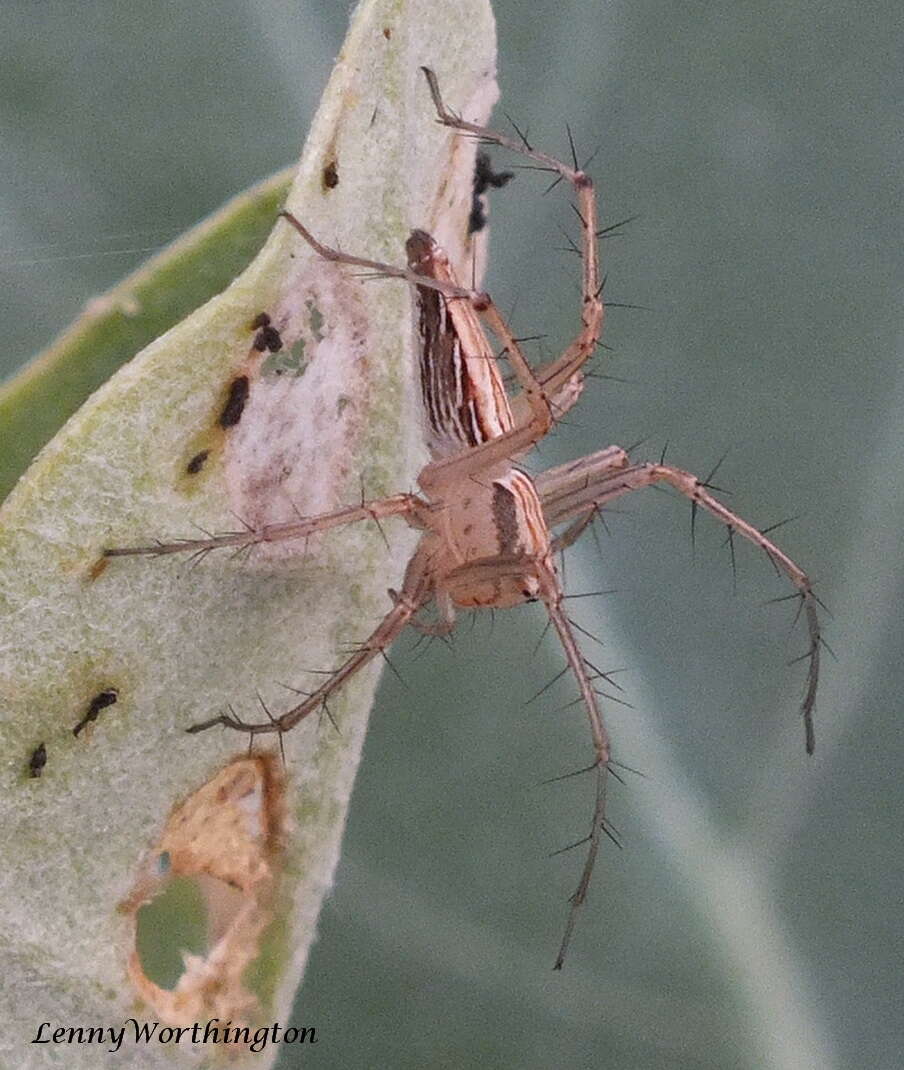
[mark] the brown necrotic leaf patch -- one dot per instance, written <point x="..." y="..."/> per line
<point x="108" y="697"/>
<point x="225" y="841"/>
<point x="37" y="761"/>
<point x="197" y="462"/>
<point x="330" y="175"/>
<point x="232" y="411"/>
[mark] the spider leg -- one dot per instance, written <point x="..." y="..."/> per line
<point x="556" y="376"/>
<point x="449" y="289"/>
<point x="408" y="506"/>
<point x="552" y="596"/>
<point x="445" y="618"/>
<point x="600" y="484"/>
<point x="574" y="531"/>
<point x="549" y="590"/>
<point x="569" y="489"/>
<point x="561" y="486"/>
<point x="416" y="590"/>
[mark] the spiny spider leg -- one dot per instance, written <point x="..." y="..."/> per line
<point x="408" y="506"/>
<point x="444" y="622"/>
<point x="574" y="531"/>
<point x="600" y="745"/>
<point x="449" y="289"/>
<point x="557" y="374"/>
<point x="539" y="568"/>
<point x="416" y="590"/>
<point x="572" y="493"/>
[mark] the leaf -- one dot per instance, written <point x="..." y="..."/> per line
<point x="35" y="404"/>
<point x="131" y="807"/>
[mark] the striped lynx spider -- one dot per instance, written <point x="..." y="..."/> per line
<point x="487" y="525"/>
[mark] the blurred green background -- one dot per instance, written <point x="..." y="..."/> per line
<point x="753" y="918"/>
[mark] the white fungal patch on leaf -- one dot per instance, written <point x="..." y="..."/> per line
<point x="215" y="869"/>
<point x="304" y="414"/>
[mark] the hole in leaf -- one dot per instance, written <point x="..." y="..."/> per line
<point x="204" y="896"/>
<point x="174" y="922"/>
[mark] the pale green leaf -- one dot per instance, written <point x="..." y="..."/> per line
<point x="180" y="643"/>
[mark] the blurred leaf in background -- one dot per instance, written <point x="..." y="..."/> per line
<point x="749" y="921"/>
